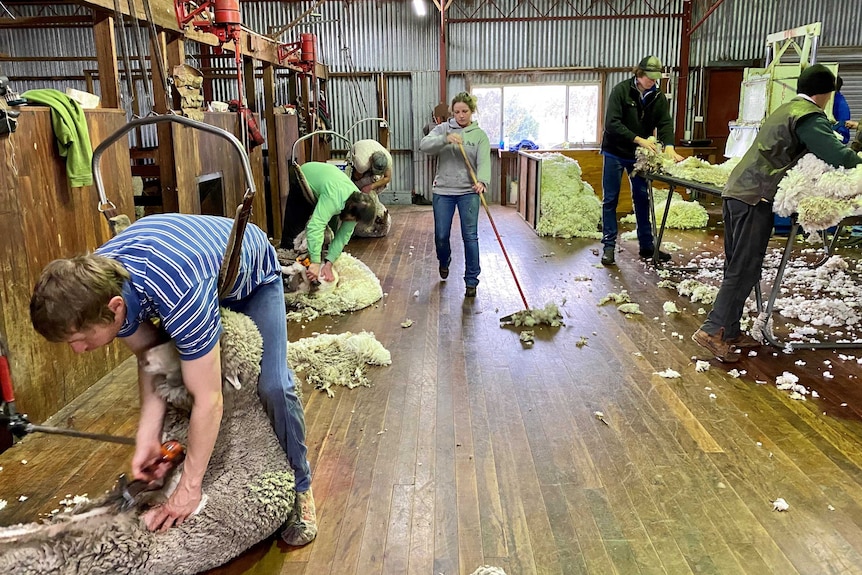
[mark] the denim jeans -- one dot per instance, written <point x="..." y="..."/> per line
<point x="277" y="387"/>
<point x="747" y="230"/>
<point x="468" y="213"/>
<point x="612" y="174"/>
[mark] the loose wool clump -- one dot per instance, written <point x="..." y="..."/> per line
<point x="819" y="194"/>
<point x="357" y="288"/>
<point x="248" y="486"/>
<point x="630" y="309"/>
<point x="569" y="206"/>
<point x="549" y="315"/>
<point x="683" y="215"/>
<point x="329" y="359"/>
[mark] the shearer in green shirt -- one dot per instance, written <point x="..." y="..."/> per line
<point x="338" y="201"/>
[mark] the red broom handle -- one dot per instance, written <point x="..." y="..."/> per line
<point x="494" y="227"/>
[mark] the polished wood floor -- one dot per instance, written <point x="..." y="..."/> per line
<point x="471" y="449"/>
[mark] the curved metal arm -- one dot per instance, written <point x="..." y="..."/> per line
<point x="158" y="119"/>
<point x="356" y="123"/>
<point x="317" y="133"/>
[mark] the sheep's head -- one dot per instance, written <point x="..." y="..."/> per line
<point x="241" y="351"/>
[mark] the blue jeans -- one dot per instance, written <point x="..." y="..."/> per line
<point x="612" y="175"/>
<point x="277" y="387"/>
<point x="468" y="213"/>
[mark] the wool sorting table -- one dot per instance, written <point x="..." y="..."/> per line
<point x="765" y="313"/>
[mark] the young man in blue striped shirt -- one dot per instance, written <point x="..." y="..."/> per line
<point x="166" y="268"/>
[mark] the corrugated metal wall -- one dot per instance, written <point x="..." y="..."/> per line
<point x="385" y="36"/>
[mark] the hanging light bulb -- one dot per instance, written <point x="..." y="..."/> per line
<point x="419" y="7"/>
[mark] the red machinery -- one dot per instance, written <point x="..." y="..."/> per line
<point x="301" y="54"/>
<point x="219" y="17"/>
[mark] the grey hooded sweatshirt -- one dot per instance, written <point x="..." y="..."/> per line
<point x="453" y="177"/>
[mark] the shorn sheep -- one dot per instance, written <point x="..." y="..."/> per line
<point x="248" y="488"/>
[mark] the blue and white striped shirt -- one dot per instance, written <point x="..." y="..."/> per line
<point x="174" y="262"/>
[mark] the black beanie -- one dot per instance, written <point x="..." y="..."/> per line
<point x="816" y="79"/>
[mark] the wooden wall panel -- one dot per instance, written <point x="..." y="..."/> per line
<point x="199" y="153"/>
<point x="43" y="219"/>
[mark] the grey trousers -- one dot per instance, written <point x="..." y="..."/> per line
<point x="746" y="235"/>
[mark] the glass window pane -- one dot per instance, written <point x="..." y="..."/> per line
<point x="536" y="113"/>
<point x="583" y="114"/>
<point x="488" y="111"/>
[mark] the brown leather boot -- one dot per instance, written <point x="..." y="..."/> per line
<point x="722" y="350"/>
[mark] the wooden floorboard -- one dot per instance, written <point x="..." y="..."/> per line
<point x="473" y="449"/>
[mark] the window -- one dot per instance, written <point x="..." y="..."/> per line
<point x="551" y="115"/>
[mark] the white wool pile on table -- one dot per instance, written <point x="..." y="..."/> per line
<point x="692" y="168"/>
<point x="569" y="206"/>
<point x="819" y="194"/>
<point x="357" y="288"/>
<point x="328" y="359"/>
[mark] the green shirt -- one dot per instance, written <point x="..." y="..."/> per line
<point x="331" y="187"/>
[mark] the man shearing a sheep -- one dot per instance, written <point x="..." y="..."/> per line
<point x="338" y="204"/>
<point x="158" y="280"/>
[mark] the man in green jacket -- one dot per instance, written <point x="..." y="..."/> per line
<point x="339" y="202"/>
<point x="794" y="129"/>
<point x="636" y="108"/>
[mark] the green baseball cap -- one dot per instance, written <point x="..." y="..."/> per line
<point x="651" y="67"/>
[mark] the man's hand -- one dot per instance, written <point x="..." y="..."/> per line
<point x="326" y="272"/>
<point x="179" y="506"/>
<point x="147" y="463"/>
<point x="671" y="153"/>
<point x="643" y="142"/>
<point x="313" y="272"/>
<point x="852" y="124"/>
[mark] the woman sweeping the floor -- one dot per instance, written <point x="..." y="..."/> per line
<point x="454" y="187"/>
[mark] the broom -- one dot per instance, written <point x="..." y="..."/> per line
<point x="511" y="318"/>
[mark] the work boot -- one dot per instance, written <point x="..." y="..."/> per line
<point x="471" y="291"/>
<point x="647" y="254"/>
<point x="302" y="527"/>
<point x="722" y="350"/>
<point x="744" y="340"/>
<point x="608" y="257"/>
<point x="444" y="273"/>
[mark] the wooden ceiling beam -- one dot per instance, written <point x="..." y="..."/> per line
<point x="252" y="44"/>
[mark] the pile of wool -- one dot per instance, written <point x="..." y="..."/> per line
<point x="569" y="206"/>
<point x="697" y="291"/>
<point x="248" y="487"/>
<point x="357" y="288"/>
<point x="549" y="315"/>
<point x="683" y="215"/>
<point x="694" y="169"/>
<point x="819" y="194"/>
<point x="328" y="359"/>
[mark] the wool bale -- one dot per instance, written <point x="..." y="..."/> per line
<point x="248" y="486"/>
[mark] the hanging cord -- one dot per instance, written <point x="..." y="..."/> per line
<point x="160" y="60"/>
<point x="357" y="103"/>
<point x="127" y="64"/>
<point x="142" y="64"/>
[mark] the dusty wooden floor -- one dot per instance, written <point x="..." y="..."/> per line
<point x="472" y="450"/>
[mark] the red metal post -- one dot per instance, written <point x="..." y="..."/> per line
<point x="443" y="62"/>
<point x="684" y="57"/>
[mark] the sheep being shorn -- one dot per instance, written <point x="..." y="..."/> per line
<point x="248" y="488"/>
